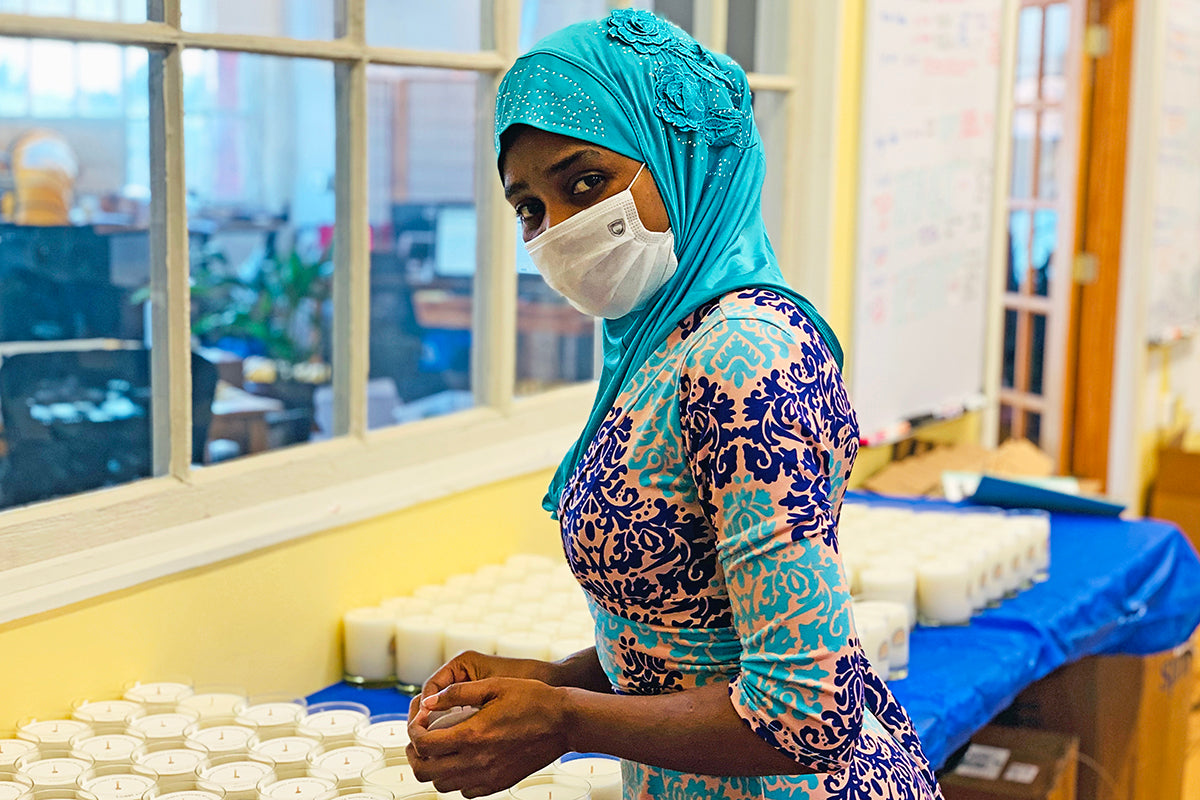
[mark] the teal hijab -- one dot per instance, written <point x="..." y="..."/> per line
<point x="640" y="86"/>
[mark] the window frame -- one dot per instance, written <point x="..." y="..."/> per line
<point x="67" y="550"/>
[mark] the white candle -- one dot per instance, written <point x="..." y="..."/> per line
<point x="14" y="787"/>
<point x="222" y="739"/>
<point x="604" y="774"/>
<point x="171" y="761"/>
<point x="214" y="705"/>
<point x="418" y="649"/>
<point x="52" y="772"/>
<point x="303" y="787"/>
<point x="397" y="777"/>
<point x="389" y="731"/>
<point x="523" y="644"/>
<point x="272" y="718"/>
<point x="895" y="583"/>
<point x="368" y="635"/>
<point x="52" y="734"/>
<point x="12" y="749"/>
<point x="163" y="695"/>
<point x="107" y="716"/>
<point x="334" y="721"/>
<point x="124" y="786"/>
<point x="551" y="787"/>
<point x="348" y="761"/>
<point x="290" y="753"/>
<point x="167" y="726"/>
<point x="109" y="748"/>
<point x="562" y="648"/>
<point x="463" y="636"/>
<point x="185" y="794"/>
<point x="238" y="777"/>
<point x="896" y="616"/>
<point x="875" y="635"/>
<point x="944" y="591"/>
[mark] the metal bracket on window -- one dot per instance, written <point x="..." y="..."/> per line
<point x="1097" y="40"/>
<point x="1086" y="269"/>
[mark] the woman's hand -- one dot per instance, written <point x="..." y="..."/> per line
<point x="473" y="666"/>
<point x="520" y="728"/>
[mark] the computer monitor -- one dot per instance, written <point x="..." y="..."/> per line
<point x="454" y="244"/>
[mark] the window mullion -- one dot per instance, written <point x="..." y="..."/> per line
<point x="171" y="376"/>
<point x="351" y="20"/>
<point x="494" y="310"/>
<point x="351" y="248"/>
<point x="712" y="23"/>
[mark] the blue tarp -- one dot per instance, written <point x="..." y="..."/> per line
<point x="1115" y="587"/>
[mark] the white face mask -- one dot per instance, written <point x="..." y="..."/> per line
<point x="603" y="260"/>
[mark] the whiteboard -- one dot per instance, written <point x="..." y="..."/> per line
<point x="931" y="87"/>
<point x="1174" y="258"/>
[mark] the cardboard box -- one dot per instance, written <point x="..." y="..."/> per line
<point x="1015" y="764"/>
<point x="1176" y="493"/>
<point x="1130" y="714"/>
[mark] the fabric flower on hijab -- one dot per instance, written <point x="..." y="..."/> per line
<point x="641" y="30"/>
<point x="692" y="89"/>
<point x="681" y="100"/>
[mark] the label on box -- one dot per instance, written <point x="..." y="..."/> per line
<point x="983" y="761"/>
<point x="1020" y="772"/>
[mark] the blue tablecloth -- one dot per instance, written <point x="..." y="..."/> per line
<point x="1115" y="587"/>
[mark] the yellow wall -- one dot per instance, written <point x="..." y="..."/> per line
<point x="267" y="621"/>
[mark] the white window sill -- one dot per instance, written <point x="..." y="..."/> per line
<point x="66" y="551"/>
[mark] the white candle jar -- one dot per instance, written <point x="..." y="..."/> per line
<point x="551" y="787"/>
<point x="117" y="782"/>
<point x="523" y="644"/>
<point x="603" y="773"/>
<point x="167" y="726"/>
<point x="358" y="793"/>
<point x="944" y="591"/>
<point x="346" y="761"/>
<point x="215" y="703"/>
<point x="288" y="752"/>
<point x="896" y="616"/>
<point x="389" y="731"/>
<point x="419" y="642"/>
<point x="301" y="787"/>
<point x="272" y="715"/>
<point x="171" y="761"/>
<point x="394" y="774"/>
<point x="158" y="696"/>
<point x="14" y="786"/>
<point x="52" y="734"/>
<point x="220" y="738"/>
<point x="108" y="749"/>
<point x="107" y="716"/>
<point x="875" y="637"/>
<point x="369" y="646"/>
<point x="334" y="721"/>
<point x="238" y="775"/>
<point x="183" y="789"/>
<point x="56" y="769"/>
<point x="11" y="750"/>
<point x="463" y="636"/>
<point x="894" y="583"/>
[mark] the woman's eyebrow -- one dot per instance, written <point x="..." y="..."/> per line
<point x="564" y="163"/>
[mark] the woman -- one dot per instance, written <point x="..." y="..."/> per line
<point x="699" y="507"/>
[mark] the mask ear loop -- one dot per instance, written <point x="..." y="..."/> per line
<point x="635" y="176"/>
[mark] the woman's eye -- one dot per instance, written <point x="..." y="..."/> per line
<point x="526" y="212"/>
<point x="586" y="184"/>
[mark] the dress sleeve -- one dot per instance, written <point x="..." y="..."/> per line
<point x="770" y="437"/>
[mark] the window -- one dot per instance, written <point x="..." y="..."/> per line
<point x="309" y="297"/>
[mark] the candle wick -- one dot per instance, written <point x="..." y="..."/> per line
<point x="285" y="747"/>
<point x="297" y="790"/>
<point x="170" y="759"/>
<point x="235" y="775"/>
<point x="118" y="786"/>
<point x="108" y="745"/>
<point x="270" y="712"/>
<point x="54" y="769"/>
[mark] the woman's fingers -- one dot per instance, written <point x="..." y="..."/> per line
<point x="472" y="693"/>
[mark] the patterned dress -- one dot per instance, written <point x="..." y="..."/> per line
<point x="702" y="524"/>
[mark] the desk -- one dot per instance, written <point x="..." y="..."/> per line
<point x="242" y="417"/>
<point x="1115" y="587"/>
